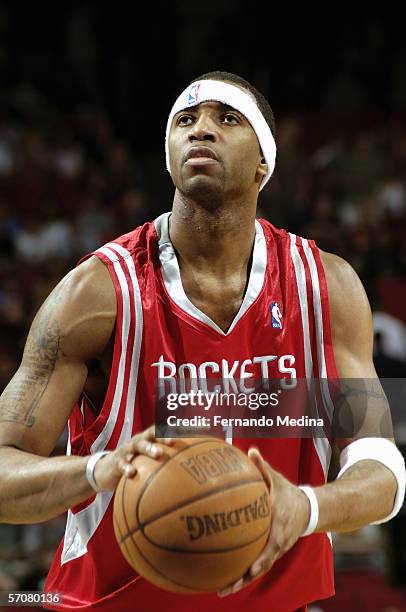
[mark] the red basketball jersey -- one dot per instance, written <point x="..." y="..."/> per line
<point x="160" y="334"/>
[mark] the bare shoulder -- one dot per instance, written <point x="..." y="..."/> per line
<point x="91" y="280"/>
<point x="73" y="325"/>
<point x="83" y="308"/>
<point x="350" y="312"/>
<point x="345" y="290"/>
<point x="341" y="275"/>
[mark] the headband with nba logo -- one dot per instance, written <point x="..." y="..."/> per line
<point x="219" y="91"/>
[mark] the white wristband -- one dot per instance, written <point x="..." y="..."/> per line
<point x="314" y="509"/>
<point x="90" y="466"/>
<point x="383" y="451"/>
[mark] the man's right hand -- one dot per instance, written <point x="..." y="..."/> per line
<point x="110" y="468"/>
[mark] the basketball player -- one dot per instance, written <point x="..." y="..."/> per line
<point x="207" y="289"/>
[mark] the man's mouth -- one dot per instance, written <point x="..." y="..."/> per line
<point x="199" y="156"/>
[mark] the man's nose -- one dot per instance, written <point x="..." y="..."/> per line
<point x="203" y="129"/>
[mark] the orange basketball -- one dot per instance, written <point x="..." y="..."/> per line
<point x="196" y="519"/>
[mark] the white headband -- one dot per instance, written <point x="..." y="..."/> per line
<point x="203" y="91"/>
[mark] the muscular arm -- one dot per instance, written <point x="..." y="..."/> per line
<point x="73" y="325"/>
<point x="72" y="328"/>
<point x="366" y="491"/>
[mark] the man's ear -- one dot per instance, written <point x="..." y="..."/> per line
<point x="262" y="169"/>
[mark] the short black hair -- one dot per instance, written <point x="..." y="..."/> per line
<point x="262" y="102"/>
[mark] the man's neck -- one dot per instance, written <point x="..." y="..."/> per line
<point x="218" y="240"/>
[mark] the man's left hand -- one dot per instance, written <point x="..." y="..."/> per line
<point x="290" y="511"/>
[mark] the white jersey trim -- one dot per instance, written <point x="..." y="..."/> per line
<point x="173" y="281"/>
<point x="318" y="316"/>
<point x="304" y="307"/>
<point x="104" y="436"/>
<point x="81" y="526"/>
<point x="321" y="445"/>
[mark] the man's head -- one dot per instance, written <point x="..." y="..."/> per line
<point x="220" y="137"/>
<point x="234" y="79"/>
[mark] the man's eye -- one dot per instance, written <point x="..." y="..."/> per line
<point x="184" y="120"/>
<point x="230" y="118"/>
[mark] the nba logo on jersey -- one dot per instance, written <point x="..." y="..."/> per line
<point x="276" y="315"/>
<point x="193" y="94"/>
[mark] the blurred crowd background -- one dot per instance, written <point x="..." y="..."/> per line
<point x="84" y="100"/>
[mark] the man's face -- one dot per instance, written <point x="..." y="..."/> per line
<point x="213" y="151"/>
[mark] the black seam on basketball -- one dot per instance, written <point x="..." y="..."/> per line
<point x="152" y="476"/>
<point x="190" y="500"/>
<point x="131" y="533"/>
<point x="167" y="578"/>
<point x="122" y="540"/>
<point x="185" y="586"/>
<point x="123" y="509"/>
<point x="207" y="552"/>
<point x="126" y="480"/>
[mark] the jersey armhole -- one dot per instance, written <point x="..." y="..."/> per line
<point x="332" y="370"/>
<point x="92" y="431"/>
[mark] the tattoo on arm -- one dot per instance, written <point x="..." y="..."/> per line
<point x="361" y="388"/>
<point x="25" y="390"/>
<point x="361" y="409"/>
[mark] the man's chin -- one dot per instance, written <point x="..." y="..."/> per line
<point x="201" y="186"/>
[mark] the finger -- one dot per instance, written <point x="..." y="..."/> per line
<point x="143" y="446"/>
<point x="125" y="467"/>
<point x="149" y="434"/>
<point x="149" y="448"/>
<point x="236" y="586"/>
<point x="260" y="566"/>
<point x="261" y="464"/>
<point x="266" y="559"/>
